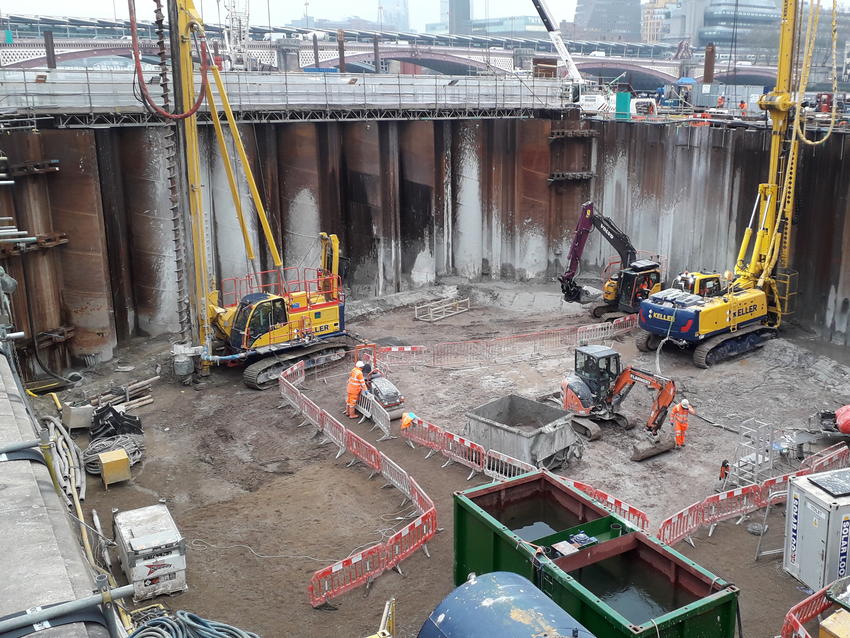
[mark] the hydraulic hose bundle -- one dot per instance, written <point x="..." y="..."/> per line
<point x="185" y="624"/>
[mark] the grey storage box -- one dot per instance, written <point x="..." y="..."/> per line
<point x="151" y="550"/>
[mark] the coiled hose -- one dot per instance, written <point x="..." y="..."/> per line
<point x="185" y="624"/>
<point x="131" y="443"/>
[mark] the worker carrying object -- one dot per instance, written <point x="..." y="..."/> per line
<point x="406" y="419"/>
<point x="356" y="385"/>
<point x="679" y="417"/>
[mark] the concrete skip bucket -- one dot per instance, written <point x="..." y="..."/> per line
<point x="533" y="432"/>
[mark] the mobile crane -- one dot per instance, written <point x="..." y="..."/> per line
<point x="267" y="319"/>
<point x="732" y="319"/>
<point x="625" y="289"/>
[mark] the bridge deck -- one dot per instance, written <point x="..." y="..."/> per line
<point x="111" y="96"/>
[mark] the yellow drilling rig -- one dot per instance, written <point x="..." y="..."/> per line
<point x="721" y="316"/>
<point x="266" y="320"/>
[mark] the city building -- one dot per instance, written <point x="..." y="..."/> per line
<point x="609" y="19"/>
<point x="394" y="14"/>
<point x="736" y="24"/>
<point x="655" y="21"/>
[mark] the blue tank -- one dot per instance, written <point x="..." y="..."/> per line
<point x="500" y="605"/>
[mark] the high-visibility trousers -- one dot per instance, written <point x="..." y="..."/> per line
<point x="353" y="395"/>
<point x="679" y="435"/>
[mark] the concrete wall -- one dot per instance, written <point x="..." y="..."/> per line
<point x="414" y="201"/>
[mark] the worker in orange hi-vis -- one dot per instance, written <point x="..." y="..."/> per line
<point x="406" y="419"/>
<point x="356" y="385"/>
<point x="679" y="417"/>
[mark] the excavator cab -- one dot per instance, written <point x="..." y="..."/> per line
<point x="598" y="367"/>
<point x="700" y="283"/>
<point x="636" y="283"/>
<point x="258" y="314"/>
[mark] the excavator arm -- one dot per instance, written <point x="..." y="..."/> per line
<point x="665" y="393"/>
<point x="587" y="221"/>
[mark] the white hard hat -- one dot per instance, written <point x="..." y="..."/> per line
<point x="360" y="364"/>
<point x="686" y="403"/>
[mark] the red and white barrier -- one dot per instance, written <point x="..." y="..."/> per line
<point x="334" y="431"/>
<point x="410" y="538"/>
<point x="682" y="524"/>
<point x="503" y="467"/>
<point x="392" y="357"/>
<point x="743" y="500"/>
<point x="632" y="514"/>
<point x="395" y="476"/>
<point x="804" y="612"/>
<point x="347" y="574"/>
<point x="312" y="412"/>
<point x="459" y="353"/>
<point x="359" y="569"/>
<point x="425" y="434"/>
<point x="363" y="451"/>
<point x="726" y="505"/>
<point x="295" y="374"/>
<point x="460" y="450"/>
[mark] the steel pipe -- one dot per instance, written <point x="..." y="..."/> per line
<point x="17" y="447"/>
<point x="68" y="607"/>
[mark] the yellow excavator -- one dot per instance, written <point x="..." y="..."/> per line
<point x="266" y="319"/>
<point x="721" y="316"/>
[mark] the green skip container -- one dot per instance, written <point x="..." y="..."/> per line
<point x="614" y="580"/>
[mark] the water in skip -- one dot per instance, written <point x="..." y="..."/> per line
<point x="536" y="517"/>
<point x="632" y="587"/>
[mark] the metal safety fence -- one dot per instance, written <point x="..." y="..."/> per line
<point x="529" y="345"/>
<point x="745" y="500"/>
<point x="502" y="467"/>
<point x="364" y="566"/>
<point x="803" y="612"/>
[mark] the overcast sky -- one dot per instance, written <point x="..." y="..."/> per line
<point x="284" y="11"/>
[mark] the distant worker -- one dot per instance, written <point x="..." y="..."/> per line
<point x="742" y="108"/>
<point x="721" y="101"/>
<point x="356" y="385"/>
<point x="679" y="418"/>
<point x="406" y="419"/>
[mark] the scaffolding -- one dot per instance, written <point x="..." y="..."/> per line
<point x="755" y="454"/>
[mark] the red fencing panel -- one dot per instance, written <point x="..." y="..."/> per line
<point x="632" y="514"/>
<point x="395" y="475"/>
<point x="803" y="612"/>
<point x="363" y="450"/>
<point x="774" y="490"/>
<point x="425" y="434"/>
<point x="312" y="412"/>
<point x="294" y="374"/>
<point x="833" y="457"/>
<point x="290" y="393"/>
<point x="464" y="451"/>
<point x="682" y="524"/>
<point x="346" y="574"/>
<point x="503" y="467"/>
<point x="410" y="538"/>
<point x="581" y="487"/>
<point x="334" y="430"/>
<point x="737" y="502"/>
<point x="422" y="501"/>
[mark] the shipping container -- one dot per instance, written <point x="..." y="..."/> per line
<point x="613" y="579"/>
<point x="635" y="585"/>
<point x="498" y="527"/>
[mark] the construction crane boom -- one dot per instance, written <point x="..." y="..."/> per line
<point x="555" y="35"/>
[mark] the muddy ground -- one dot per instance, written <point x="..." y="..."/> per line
<point x="263" y="505"/>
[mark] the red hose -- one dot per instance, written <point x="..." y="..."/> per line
<point x="137" y="58"/>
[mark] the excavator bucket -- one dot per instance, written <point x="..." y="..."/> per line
<point x="650" y="446"/>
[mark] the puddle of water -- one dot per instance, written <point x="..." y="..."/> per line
<point x="632" y="588"/>
<point x="535" y="517"/>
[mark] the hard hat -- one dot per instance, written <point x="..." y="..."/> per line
<point x="360" y="364"/>
<point x="685" y="403"/>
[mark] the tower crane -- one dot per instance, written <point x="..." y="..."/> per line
<point x="718" y="320"/>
